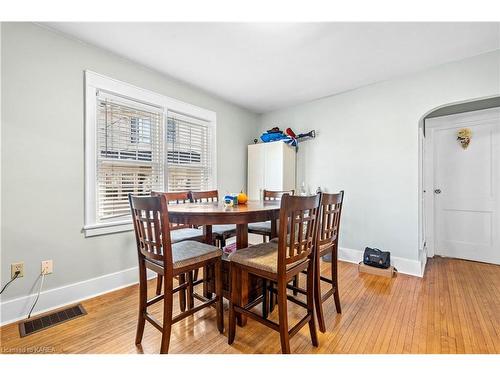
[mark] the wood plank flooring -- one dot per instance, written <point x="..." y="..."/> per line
<point x="455" y="308"/>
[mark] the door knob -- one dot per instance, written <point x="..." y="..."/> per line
<point x="437" y="191"/>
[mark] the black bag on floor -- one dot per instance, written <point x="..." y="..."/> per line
<point x="377" y="258"/>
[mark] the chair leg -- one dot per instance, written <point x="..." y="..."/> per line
<point x="295" y="283"/>
<point x="335" y="281"/>
<point x="190" y="290"/>
<point x="159" y="282"/>
<point x="234" y="300"/>
<point x="272" y="298"/>
<point x="218" y="293"/>
<point x="206" y="279"/>
<point x="310" y="304"/>
<point x="143" y="297"/>
<point x="243" y="296"/>
<point x="167" y="318"/>
<point x="317" y="294"/>
<point x="222" y="242"/>
<point x="265" y="299"/>
<point x="182" y="293"/>
<point x="264" y="238"/>
<point x="283" y="317"/>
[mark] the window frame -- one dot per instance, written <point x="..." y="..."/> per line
<point x="95" y="82"/>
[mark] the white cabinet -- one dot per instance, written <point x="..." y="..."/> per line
<point x="271" y="166"/>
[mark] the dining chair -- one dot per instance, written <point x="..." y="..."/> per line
<point x="278" y="261"/>
<point x="178" y="233"/>
<point x="264" y="228"/>
<point x="327" y="243"/>
<point x="220" y="232"/>
<point x="156" y="252"/>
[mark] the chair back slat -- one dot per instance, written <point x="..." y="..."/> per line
<point x="179" y="197"/>
<point x="298" y="222"/>
<point x="204" y="196"/>
<point x="331" y="210"/>
<point x="274" y="195"/>
<point x="152" y="228"/>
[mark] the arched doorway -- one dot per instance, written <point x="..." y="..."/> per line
<point x="444" y="227"/>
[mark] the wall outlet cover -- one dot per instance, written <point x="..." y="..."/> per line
<point x="14" y="267"/>
<point x="47" y="267"/>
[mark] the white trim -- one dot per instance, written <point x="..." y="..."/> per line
<point x="95" y="82"/>
<point x="403" y="265"/>
<point x="107" y="228"/>
<point x="16" y="309"/>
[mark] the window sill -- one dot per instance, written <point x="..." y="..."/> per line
<point x="107" y="228"/>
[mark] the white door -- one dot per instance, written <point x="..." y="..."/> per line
<point x="466" y="186"/>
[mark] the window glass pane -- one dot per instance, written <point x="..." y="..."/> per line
<point x="189" y="163"/>
<point x="130" y="155"/>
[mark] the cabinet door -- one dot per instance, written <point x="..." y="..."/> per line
<point x="256" y="163"/>
<point x="289" y="160"/>
<point x="273" y="168"/>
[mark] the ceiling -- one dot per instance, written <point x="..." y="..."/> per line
<point x="267" y="66"/>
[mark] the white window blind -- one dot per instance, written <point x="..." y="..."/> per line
<point x="129" y="153"/>
<point x="189" y="153"/>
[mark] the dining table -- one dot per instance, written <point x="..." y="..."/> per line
<point x="208" y="214"/>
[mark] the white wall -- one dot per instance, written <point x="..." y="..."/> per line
<point x="367" y="144"/>
<point x="43" y="161"/>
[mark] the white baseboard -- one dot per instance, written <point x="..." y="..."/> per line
<point x="17" y="309"/>
<point x="403" y="265"/>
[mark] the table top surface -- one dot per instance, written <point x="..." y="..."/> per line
<point x="220" y="208"/>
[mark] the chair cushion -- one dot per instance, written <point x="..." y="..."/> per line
<point x="186" y="253"/>
<point x="183" y="234"/>
<point x="263" y="226"/>
<point x="224" y="229"/>
<point x="263" y="256"/>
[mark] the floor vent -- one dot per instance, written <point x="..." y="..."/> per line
<point x="50" y="319"/>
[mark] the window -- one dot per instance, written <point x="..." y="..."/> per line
<point x="188" y="153"/>
<point x="137" y="141"/>
<point x="130" y="157"/>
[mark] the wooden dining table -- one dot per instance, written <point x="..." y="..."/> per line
<point x="207" y="214"/>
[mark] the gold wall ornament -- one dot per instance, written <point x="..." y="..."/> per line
<point x="464" y="136"/>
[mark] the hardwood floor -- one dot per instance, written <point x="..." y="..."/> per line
<point x="455" y="308"/>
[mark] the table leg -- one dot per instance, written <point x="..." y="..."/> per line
<point x="274" y="229"/>
<point x="207" y="234"/>
<point x="241" y="236"/>
<point x="241" y="243"/>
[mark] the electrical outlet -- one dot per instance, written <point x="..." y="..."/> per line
<point x="14" y="267"/>
<point x="47" y="267"/>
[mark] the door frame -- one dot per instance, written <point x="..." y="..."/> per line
<point x="428" y="172"/>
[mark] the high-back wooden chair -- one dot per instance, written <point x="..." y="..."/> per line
<point x="272" y="195"/>
<point x="328" y="240"/>
<point x="204" y="196"/>
<point x="264" y="228"/>
<point x="178" y="233"/>
<point x="279" y="261"/>
<point x="220" y="232"/>
<point x="156" y="252"/>
<point x="327" y="244"/>
<point x="175" y="198"/>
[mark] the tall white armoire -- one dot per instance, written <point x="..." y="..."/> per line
<point x="271" y="166"/>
